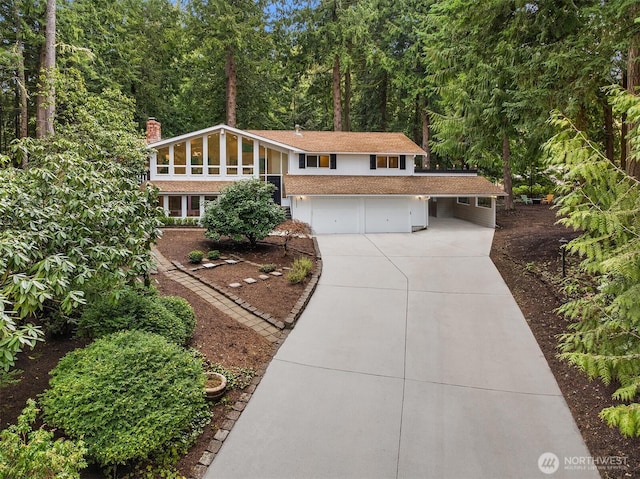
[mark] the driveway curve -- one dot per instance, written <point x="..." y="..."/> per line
<point x="412" y="360"/>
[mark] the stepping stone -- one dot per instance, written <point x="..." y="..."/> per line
<point x="230" y="261"/>
<point x="210" y="265"/>
<point x="235" y="285"/>
<point x="276" y="273"/>
<point x="250" y="280"/>
<point x="263" y="276"/>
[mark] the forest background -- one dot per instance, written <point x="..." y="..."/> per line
<point x="473" y="83"/>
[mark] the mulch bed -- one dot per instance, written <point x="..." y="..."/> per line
<point x="274" y="296"/>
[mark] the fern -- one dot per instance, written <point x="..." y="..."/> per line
<point x="625" y="417"/>
<point x="603" y="201"/>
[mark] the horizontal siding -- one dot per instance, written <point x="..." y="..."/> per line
<point x="476" y="214"/>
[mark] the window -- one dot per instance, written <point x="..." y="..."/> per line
<point x="232" y="154"/>
<point x="274" y="158"/>
<point x="247" y="156"/>
<point x="483" y="202"/>
<point x="163" y="161"/>
<point x="193" y="205"/>
<point x="213" y="153"/>
<point x="196" y="156"/>
<point x="175" y="205"/>
<point x="463" y="200"/>
<point x="180" y="158"/>
<point x="387" y="161"/>
<point x="317" y="161"/>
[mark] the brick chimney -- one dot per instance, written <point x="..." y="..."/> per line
<point x="154" y="130"/>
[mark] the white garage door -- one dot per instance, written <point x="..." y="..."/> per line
<point x="387" y="215"/>
<point x="335" y="215"/>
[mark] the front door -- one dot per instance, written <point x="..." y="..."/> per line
<point x="277" y="194"/>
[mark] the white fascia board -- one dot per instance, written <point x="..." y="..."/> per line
<point x="245" y="134"/>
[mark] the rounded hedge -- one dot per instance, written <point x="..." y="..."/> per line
<point x="130" y="396"/>
<point x="182" y="309"/>
<point x="134" y="310"/>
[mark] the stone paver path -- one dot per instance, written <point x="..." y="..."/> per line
<point x="218" y="300"/>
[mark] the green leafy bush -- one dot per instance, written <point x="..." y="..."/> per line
<point x="25" y="453"/>
<point x="134" y="310"/>
<point x="196" y="256"/>
<point x="268" y="268"/>
<point x="244" y="209"/>
<point x="131" y="396"/>
<point x="173" y="221"/>
<point x="300" y="270"/>
<point x="183" y="311"/>
<point x="534" y="190"/>
<point x="213" y="254"/>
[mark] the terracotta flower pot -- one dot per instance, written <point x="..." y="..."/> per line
<point x="215" y="386"/>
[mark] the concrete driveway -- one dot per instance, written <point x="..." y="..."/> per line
<point x="412" y="360"/>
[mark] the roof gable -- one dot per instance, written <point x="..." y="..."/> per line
<point x="220" y="127"/>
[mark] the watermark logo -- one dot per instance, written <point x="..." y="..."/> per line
<point x="548" y="463"/>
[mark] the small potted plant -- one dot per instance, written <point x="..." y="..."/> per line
<point x="215" y="386"/>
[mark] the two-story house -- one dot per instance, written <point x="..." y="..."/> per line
<point x="338" y="182"/>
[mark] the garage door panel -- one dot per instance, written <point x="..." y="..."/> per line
<point x="335" y="215"/>
<point x="387" y="215"/>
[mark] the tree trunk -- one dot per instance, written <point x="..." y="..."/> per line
<point x="384" y="122"/>
<point x="347" y="100"/>
<point x="608" y="130"/>
<point x="337" y="94"/>
<point x="623" y="130"/>
<point x="426" y="133"/>
<point x="47" y="93"/>
<point x="23" y="130"/>
<point x="506" y="172"/>
<point x="231" y="76"/>
<point x="633" y="82"/>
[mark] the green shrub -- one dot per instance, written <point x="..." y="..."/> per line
<point x="131" y="396"/>
<point x="534" y="190"/>
<point x="196" y="256"/>
<point x="183" y="311"/>
<point x="268" y="268"/>
<point x="213" y="254"/>
<point x="300" y="270"/>
<point x="243" y="209"/>
<point x="25" y="453"/>
<point x="173" y="221"/>
<point x="132" y="310"/>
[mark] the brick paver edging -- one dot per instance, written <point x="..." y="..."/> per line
<point x="297" y="309"/>
<point x="231" y="417"/>
<point x="200" y="469"/>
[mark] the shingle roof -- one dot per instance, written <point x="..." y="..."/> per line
<point x="344" y="141"/>
<point x="390" y="185"/>
<point x="184" y="186"/>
